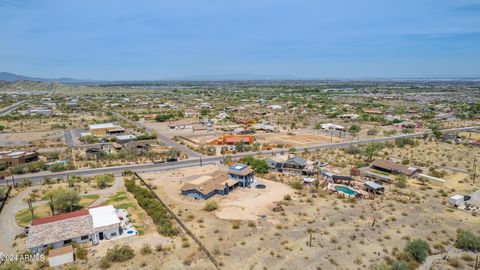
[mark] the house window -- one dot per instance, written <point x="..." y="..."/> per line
<point x="113" y="234"/>
<point x="85" y="237"/>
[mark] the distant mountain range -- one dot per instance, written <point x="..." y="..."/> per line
<point x="235" y="77"/>
<point x="10" y="77"/>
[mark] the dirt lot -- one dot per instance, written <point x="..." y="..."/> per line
<point x="249" y="204"/>
<point x="33" y="139"/>
<point x="295" y="138"/>
<point x="342" y="230"/>
<point x="46" y="123"/>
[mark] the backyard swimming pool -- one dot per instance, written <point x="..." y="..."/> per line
<point x="346" y="190"/>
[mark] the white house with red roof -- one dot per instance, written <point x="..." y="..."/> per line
<point x="91" y="224"/>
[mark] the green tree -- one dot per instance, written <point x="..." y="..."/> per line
<point x="3" y="193"/>
<point x="260" y="166"/>
<point x="401" y="181"/>
<point x="418" y="249"/>
<point x="88" y="139"/>
<point x="205" y="112"/>
<point x="64" y="200"/>
<point x="104" y="180"/>
<point x="354" y="129"/>
<point x="372" y="149"/>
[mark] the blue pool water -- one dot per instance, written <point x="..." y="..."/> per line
<point x="130" y="232"/>
<point x="346" y="190"/>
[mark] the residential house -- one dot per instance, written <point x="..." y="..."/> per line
<point x="12" y="158"/>
<point x="392" y="167"/>
<point x="372" y="111"/>
<point x="40" y="111"/>
<point x="125" y="138"/>
<point x="220" y="182"/>
<point x="180" y="124"/>
<point x="88" y="225"/>
<point x="207" y="186"/>
<point x="330" y="126"/>
<point x="348" y="116"/>
<point x="293" y="164"/>
<point x="242" y="173"/>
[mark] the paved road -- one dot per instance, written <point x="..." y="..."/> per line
<point x="9" y="108"/>
<point x="37" y="178"/>
<point x="169" y="142"/>
<point x="67" y="133"/>
<point x="8" y="225"/>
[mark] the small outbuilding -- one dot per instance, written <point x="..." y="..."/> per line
<point x="373" y="187"/>
<point x="60" y="256"/>
<point x="456" y="200"/>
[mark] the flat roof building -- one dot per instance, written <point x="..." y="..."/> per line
<point x="105" y="129"/>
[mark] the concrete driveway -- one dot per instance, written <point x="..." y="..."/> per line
<point x="8" y="225"/>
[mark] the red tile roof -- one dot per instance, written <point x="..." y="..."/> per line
<point x="55" y="218"/>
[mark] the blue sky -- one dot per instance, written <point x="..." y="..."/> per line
<point x="137" y="40"/>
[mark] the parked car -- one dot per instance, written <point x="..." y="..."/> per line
<point x="172" y="159"/>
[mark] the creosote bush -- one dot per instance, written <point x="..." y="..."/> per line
<point x="210" y="206"/>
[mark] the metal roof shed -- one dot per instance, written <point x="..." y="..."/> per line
<point x="373" y="187"/>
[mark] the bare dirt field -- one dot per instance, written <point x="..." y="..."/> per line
<point x="249" y="204"/>
<point x="33" y="139"/>
<point x="347" y="234"/>
<point x="300" y="139"/>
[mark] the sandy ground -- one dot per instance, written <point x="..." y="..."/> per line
<point x="249" y="204"/>
<point x="41" y="138"/>
<point x="136" y="242"/>
<point x="296" y="138"/>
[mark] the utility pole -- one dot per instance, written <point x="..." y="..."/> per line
<point x="201" y="164"/>
<point x="13" y="177"/>
<point x="474" y="168"/>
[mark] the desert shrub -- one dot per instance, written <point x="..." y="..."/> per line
<point x="146" y="249"/>
<point x="466" y="240"/>
<point x="401" y="181"/>
<point x="104" y="263"/>
<point x="400" y="265"/>
<point x="418" y="249"/>
<point x="81" y="253"/>
<point x="120" y="253"/>
<point x="104" y="180"/>
<point x="381" y="266"/>
<point x="353" y="150"/>
<point x="12" y="265"/>
<point x="402" y="142"/>
<point x="297" y="184"/>
<point x="287" y="197"/>
<point x="210" y="206"/>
